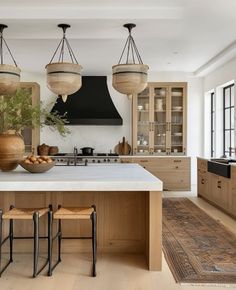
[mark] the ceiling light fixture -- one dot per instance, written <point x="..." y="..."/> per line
<point x="9" y="74"/>
<point x="130" y="77"/>
<point x="64" y="78"/>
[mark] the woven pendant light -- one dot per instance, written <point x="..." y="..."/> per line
<point x="130" y="77"/>
<point x="64" y="78"/>
<point x="9" y="74"/>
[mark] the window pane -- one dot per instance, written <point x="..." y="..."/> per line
<point x="227" y="97"/>
<point x="232" y="118"/>
<point x="227" y="140"/>
<point x="227" y="119"/>
<point x="232" y="139"/>
<point x="232" y="96"/>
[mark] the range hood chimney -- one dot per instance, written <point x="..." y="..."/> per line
<point x="91" y="105"/>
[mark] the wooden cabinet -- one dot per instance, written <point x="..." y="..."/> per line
<point x="218" y="190"/>
<point x="175" y="172"/>
<point x="31" y="136"/>
<point x="203" y="179"/>
<point x="232" y="201"/>
<point x="159" y="119"/>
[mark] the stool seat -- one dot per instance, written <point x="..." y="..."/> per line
<point x="73" y="213"/>
<point x="24" y="213"/>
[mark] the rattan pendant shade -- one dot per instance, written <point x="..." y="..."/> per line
<point x="9" y="74"/>
<point x="64" y="78"/>
<point x="130" y="77"/>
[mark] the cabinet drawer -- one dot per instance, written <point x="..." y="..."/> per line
<point x="202" y="164"/>
<point x="126" y="160"/>
<point x="164" y="164"/>
<point x="173" y="180"/>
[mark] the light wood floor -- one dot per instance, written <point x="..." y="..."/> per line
<point x="115" y="272"/>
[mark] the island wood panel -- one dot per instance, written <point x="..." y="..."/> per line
<point x="121" y="219"/>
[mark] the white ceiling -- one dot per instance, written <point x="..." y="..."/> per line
<point x="172" y="35"/>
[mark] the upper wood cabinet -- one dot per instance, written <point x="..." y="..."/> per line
<point x="31" y="136"/>
<point x="159" y="119"/>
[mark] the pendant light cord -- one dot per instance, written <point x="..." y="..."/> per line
<point x="63" y="44"/>
<point x="132" y="50"/>
<point x="3" y="41"/>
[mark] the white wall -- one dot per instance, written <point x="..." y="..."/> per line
<point x="104" y="138"/>
<point x="215" y="81"/>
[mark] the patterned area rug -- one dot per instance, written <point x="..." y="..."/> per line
<point x="198" y="249"/>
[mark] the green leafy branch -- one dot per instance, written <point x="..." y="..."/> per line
<point x="17" y="113"/>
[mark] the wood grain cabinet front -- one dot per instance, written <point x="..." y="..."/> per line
<point x="203" y="185"/>
<point x="175" y="172"/>
<point x="218" y="190"/>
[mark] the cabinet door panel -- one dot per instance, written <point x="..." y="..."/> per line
<point x="143" y="122"/>
<point x="160" y="119"/>
<point x="203" y="186"/>
<point x="177" y="119"/>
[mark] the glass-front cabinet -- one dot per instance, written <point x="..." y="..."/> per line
<point x="159" y="119"/>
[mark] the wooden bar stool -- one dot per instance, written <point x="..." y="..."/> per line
<point x="75" y="213"/>
<point x="33" y="214"/>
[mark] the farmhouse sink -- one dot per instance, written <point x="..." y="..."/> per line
<point x="220" y="167"/>
<point x="223" y="160"/>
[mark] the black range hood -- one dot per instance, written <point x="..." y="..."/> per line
<point x="91" y="105"/>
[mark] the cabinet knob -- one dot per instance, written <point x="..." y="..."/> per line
<point x="202" y="181"/>
<point x="176" y="167"/>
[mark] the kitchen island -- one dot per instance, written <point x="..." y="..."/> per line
<point x="128" y="200"/>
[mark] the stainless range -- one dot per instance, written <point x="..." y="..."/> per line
<point x="70" y="159"/>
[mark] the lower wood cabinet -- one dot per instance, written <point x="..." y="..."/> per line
<point x="218" y="190"/>
<point x="175" y="172"/>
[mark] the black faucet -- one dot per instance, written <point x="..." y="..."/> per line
<point x="75" y="155"/>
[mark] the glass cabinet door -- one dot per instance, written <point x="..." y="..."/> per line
<point x="143" y="122"/>
<point x="160" y="117"/>
<point x="176" y="121"/>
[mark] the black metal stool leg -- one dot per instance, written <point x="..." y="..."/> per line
<point x="11" y="237"/>
<point x="59" y="240"/>
<point x="50" y="243"/>
<point x="0" y="242"/>
<point x="94" y="242"/>
<point x="36" y="242"/>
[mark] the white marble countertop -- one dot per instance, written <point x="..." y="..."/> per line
<point x="94" y="177"/>
<point x="153" y="156"/>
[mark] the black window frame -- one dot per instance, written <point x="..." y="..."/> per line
<point x="212" y="124"/>
<point x="230" y="108"/>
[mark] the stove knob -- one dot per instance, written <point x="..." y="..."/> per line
<point x="108" y="160"/>
<point x="93" y="160"/>
<point x="99" y="161"/>
<point x="105" y="160"/>
<point x="115" y="160"/>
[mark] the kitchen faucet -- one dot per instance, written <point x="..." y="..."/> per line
<point x="75" y="155"/>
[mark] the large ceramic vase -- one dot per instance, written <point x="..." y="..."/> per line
<point x="12" y="150"/>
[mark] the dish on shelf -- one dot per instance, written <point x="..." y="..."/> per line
<point x="177" y="94"/>
<point x="177" y="108"/>
<point x="178" y="134"/>
<point x="140" y="107"/>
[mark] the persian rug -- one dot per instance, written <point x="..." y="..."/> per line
<point x="197" y="248"/>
